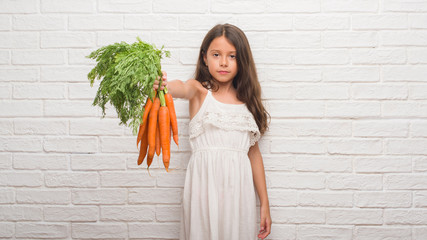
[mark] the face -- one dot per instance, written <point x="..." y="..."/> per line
<point x="221" y="60"/>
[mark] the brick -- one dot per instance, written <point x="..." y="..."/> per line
<point x="264" y="22"/>
<point x="72" y="179"/>
<point x="154" y="230"/>
<point x="407" y="109"/>
<point x="186" y="6"/>
<point x="282" y="57"/>
<point x="383" y="199"/>
<point x="14" y="74"/>
<point x="379" y="21"/>
<point x="283" y="231"/>
<point x="40" y="127"/>
<point x="127" y="214"/>
<point x="151" y="22"/>
<point x="419" y="128"/>
<point x="323" y="57"/>
<point x="419" y="232"/>
<point x="99" y="230"/>
<point x="78" y="57"/>
<point x="405" y="217"/>
<point x="321" y="22"/>
<point x="41" y="230"/>
<point x="378" y="56"/>
<point x="168" y="213"/>
<point x="21" y="179"/>
<point x="278" y="162"/>
<point x="351" y="74"/>
<point x="4" y="57"/>
<point x="65" y="74"/>
<point x="67" y="39"/>
<point x="38" y="57"/>
<point x="417" y="55"/>
<point x="299" y="74"/>
<point x="124" y="6"/>
<point x="71" y="144"/>
<point x="297" y="215"/>
<point x="323" y="164"/>
<point x="417" y="21"/>
<point x="380" y="128"/>
<point x="127" y="179"/>
<point x="420" y="198"/>
<point x="64" y="6"/>
<point x="21" y="40"/>
<point x="237" y="6"/>
<point x="355" y="181"/>
<point x="296" y="109"/>
<point x="5" y="160"/>
<point x="414" y="146"/>
<point x="7" y="196"/>
<point x="282" y="198"/>
<point x="40" y="196"/>
<point x="71" y="214"/>
<point x="5" y="23"/>
<point x="22" y="108"/>
<point x="20" y="144"/>
<point x="177" y="39"/>
<point x="82" y="91"/>
<point x="296" y="181"/>
<point x="404" y="6"/>
<point x="382" y="164"/>
<point x="404" y="38"/>
<point x="99" y="196"/>
<point x="324" y="232"/>
<point x="171" y="179"/>
<point x="349" y="6"/>
<point x="7" y="229"/>
<point x="322" y="92"/>
<point x="39" y="23"/>
<point x="404" y="73"/>
<point x="155" y="196"/>
<point x="6" y="127"/>
<point x="293" y="40"/>
<point x="60" y="108"/>
<point x="19" y="6"/>
<point x="371" y="91"/>
<point x="405" y="182"/>
<point x="118" y="144"/>
<point x="308" y="146"/>
<point x="5" y="92"/>
<point x="325" y="199"/>
<point x="21" y="213"/>
<point x="277" y="92"/>
<point x="202" y="22"/>
<point x="378" y="233"/>
<point x="95" y="22"/>
<point x="40" y="161"/>
<point x="110" y="37"/>
<point x="97" y="162"/>
<point x="353" y="109"/>
<point x="293" y="6"/>
<point x="349" y="39"/>
<point x="417" y="92"/>
<point x="94" y="127"/>
<point x="420" y="163"/>
<point x="354" y="216"/>
<point x="38" y="91"/>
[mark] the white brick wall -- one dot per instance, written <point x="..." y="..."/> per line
<point x="345" y="82"/>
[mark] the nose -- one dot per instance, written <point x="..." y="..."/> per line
<point x="223" y="62"/>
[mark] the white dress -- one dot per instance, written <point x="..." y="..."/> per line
<point x="219" y="201"/>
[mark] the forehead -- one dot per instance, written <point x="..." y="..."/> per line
<point x="221" y="44"/>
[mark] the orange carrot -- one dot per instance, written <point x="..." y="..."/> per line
<point x="172" y="113"/>
<point x="147" y="108"/>
<point x="164" y="124"/>
<point x="144" y="145"/>
<point x="157" y="139"/>
<point x="152" y="125"/>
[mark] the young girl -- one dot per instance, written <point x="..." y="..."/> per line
<point x="227" y="119"/>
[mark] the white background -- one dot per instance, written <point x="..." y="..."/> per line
<point x="345" y="82"/>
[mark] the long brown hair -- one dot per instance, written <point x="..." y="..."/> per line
<point x="246" y="81"/>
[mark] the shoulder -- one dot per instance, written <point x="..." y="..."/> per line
<point x="199" y="92"/>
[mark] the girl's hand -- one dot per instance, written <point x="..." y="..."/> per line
<point x="265" y="222"/>
<point x="164" y="82"/>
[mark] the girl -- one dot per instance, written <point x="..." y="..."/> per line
<point x="227" y="119"/>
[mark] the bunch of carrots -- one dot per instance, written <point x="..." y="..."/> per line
<point x="158" y="120"/>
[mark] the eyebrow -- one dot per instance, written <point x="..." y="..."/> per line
<point x="215" y="50"/>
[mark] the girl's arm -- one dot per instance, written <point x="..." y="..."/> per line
<point x="261" y="188"/>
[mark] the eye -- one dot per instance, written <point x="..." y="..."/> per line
<point x="215" y="54"/>
<point x="232" y="56"/>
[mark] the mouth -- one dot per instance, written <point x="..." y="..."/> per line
<point x="223" y="72"/>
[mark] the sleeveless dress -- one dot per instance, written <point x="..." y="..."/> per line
<point x="219" y="201"/>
